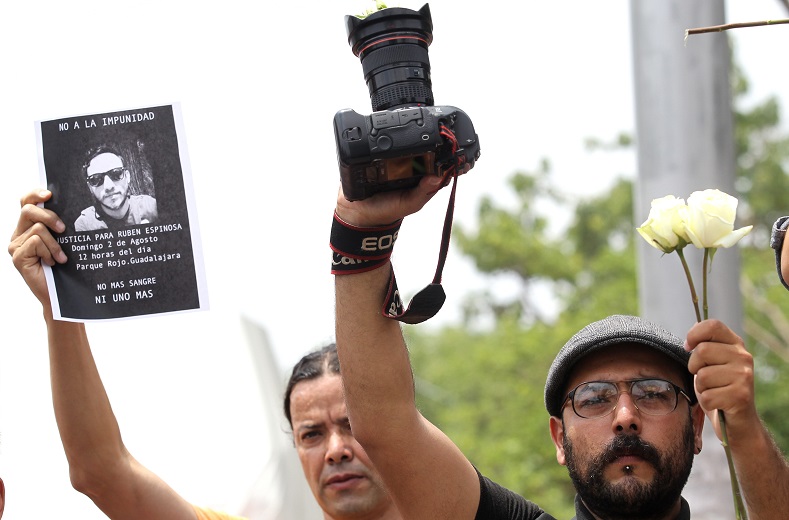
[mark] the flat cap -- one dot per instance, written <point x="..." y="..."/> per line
<point x="612" y="330"/>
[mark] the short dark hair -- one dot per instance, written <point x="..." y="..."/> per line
<point x="313" y="365"/>
<point x="98" y="150"/>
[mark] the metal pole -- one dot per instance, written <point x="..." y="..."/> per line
<point x="685" y="137"/>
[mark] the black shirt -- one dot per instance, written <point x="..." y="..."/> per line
<point x="499" y="503"/>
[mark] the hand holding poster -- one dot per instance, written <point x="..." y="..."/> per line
<point x="121" y="183"/>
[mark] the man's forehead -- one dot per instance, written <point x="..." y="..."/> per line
<point x="104" y="162"/>
<point x="318" y="399"/>
<point x="624" y="361"/>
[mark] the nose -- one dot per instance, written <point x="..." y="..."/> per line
<point x="627" y="418"/>
<point x="339" y="448"/>
<point x="108" y="183"/>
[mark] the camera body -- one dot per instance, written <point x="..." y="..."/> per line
<point x="393" y="149"/>
<point x="406" y="137"/>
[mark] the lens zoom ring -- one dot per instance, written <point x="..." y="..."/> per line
<point x="402" y="93"/>
<point x="395" y="54"/>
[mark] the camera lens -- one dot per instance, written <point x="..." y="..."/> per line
<point x="392" y="45"/>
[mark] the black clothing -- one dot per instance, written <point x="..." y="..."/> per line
<point x="499" y="503"/>
<point x="581" y="513"/>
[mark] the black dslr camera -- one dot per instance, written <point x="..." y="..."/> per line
<point x="406" y="137"/>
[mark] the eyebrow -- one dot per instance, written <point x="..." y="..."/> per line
<point x="309" y="425"/>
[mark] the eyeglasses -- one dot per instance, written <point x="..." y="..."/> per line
<point x="97" y="179"/>
<point x="651" y="396"/>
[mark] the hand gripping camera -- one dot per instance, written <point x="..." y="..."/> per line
<point x="406" y="137"/>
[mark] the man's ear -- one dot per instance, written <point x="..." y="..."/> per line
<point x="557" y="435"/>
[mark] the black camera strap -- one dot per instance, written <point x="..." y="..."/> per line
<point x="357" y="250"/>
<point x="426" y="303"/>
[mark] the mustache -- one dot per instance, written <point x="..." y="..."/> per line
<point x="624" y="445"/>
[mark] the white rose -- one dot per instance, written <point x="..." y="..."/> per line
<point x="664" y="228"/>
<point x="710" y="220"/>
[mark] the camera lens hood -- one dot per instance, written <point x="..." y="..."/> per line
<point x="388" y="23"/>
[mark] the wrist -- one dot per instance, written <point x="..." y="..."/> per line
<point x="358" y="249"/>
<point x="356" y="219"/>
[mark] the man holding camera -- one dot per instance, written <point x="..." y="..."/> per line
<point x="344" y="482"/>
<point x="626" y="401"/>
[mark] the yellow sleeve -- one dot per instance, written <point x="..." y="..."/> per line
<point x="208" y="514"/>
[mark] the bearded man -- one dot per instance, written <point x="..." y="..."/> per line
<point x="626" y="400"/>
<point x="109" y="181"/>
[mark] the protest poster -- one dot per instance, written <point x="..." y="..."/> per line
<point x="121" y="182"/>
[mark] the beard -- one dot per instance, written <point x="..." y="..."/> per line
<point x="631" y="497"/>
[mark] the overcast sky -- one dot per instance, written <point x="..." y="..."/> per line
<point x="258" y="87"/>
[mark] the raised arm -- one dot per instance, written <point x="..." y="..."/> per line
<point x="99" y="464"/>
<point x="724" y="381"/>
<point x="426" y="474"/>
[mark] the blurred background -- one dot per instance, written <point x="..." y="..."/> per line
<point x="543" y="243"/>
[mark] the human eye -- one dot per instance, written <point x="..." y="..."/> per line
<point x="653" y="390"/>
<point x="309" y="436"/>
<point x="594" y="395"/>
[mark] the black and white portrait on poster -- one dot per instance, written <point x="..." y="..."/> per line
<point x="121" y="183"/>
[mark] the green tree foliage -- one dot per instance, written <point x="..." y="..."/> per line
<point x="483" y="385"/>
<point x="762" y="160"/>
<point x="766" y="326"/>
<point x="517" y="242"/>
<point x="485" y="391"/>
<point x="763" y="182"/>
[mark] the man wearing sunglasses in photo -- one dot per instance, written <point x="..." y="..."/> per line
<point x="108" y="180"/>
